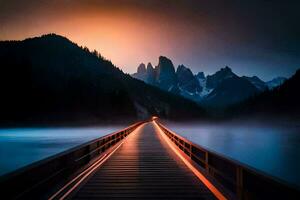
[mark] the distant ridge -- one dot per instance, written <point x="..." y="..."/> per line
<point x="281" y="101"/>
<point x="220" y="89"/>
<point x="50" y="79"/>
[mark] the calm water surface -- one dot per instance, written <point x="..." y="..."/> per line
<point x="20" y="147"/>
<point x="273" y="149"/>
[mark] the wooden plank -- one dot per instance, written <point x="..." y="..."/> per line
<point x="143" y="168"/>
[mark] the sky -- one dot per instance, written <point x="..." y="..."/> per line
<point x="252" y="37"/>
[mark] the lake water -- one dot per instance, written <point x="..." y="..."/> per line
<point x="272" y="149"/>
<point x="20" y="147"/>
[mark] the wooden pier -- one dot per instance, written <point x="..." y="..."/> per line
<point x="143" y="161"/>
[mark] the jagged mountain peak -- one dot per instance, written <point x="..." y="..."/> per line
<point x="184" y="73"/>
<point x="225" y="71"/>
<point x="206" y="89"/>
<point x="182" y="68"/>
<point x="165" y="74"/>
<point x="187" y="82"/>
<point x="56" y="77"/>
<point x="149" y="66"/>
<point x="165" y="67"/>
<point x="226" y="68"/>
<point x="165" y="63"/>
<point x="160" y="58"/>
<point x="219" y="76"/>
<point x="229" y="91"/>
<point x="150" y="76"/>
<point x="141" y="68"/>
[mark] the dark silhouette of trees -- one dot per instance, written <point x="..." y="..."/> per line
<point x="283" y="100"/>
<point x="51" y="79"/>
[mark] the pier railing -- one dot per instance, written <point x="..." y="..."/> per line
<point x="38" y="178"/>
<point x="240" y="181"/>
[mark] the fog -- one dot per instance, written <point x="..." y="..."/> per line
<point x="22" y="146"/>
<point x="271" y="147"/>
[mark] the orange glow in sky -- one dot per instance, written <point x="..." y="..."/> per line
<point x="202" y="35"/>
<point x="126" y="37"/>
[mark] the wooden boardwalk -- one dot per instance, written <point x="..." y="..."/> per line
<point x="144" y="167"/>
<point x="143" y="161"/>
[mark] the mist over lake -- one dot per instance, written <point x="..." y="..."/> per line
<point x="22" y="146"/>
<point x="96" y="97"/>
<point x="271" y="148"/>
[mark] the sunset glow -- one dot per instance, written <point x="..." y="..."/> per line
<point x="200" y="35"/>
<point x="208" y="93"/>
<point x="124" y="36"/>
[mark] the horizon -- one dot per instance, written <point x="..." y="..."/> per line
<point x="154" y="65"/>
<point x="251" y="38"/>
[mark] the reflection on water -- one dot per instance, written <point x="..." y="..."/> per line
<point x="271" y="149"/>
<point x="20" y="147"/>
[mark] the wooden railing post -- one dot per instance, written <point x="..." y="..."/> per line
<point x="190" y="150"/>
<point x="239" y="182"/>
<point x="206" y="161"/>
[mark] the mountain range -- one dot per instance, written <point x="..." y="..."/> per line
<point x="220" y="89"/>
<point x="281" y="101"/>
<point x="50" y="79"/>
